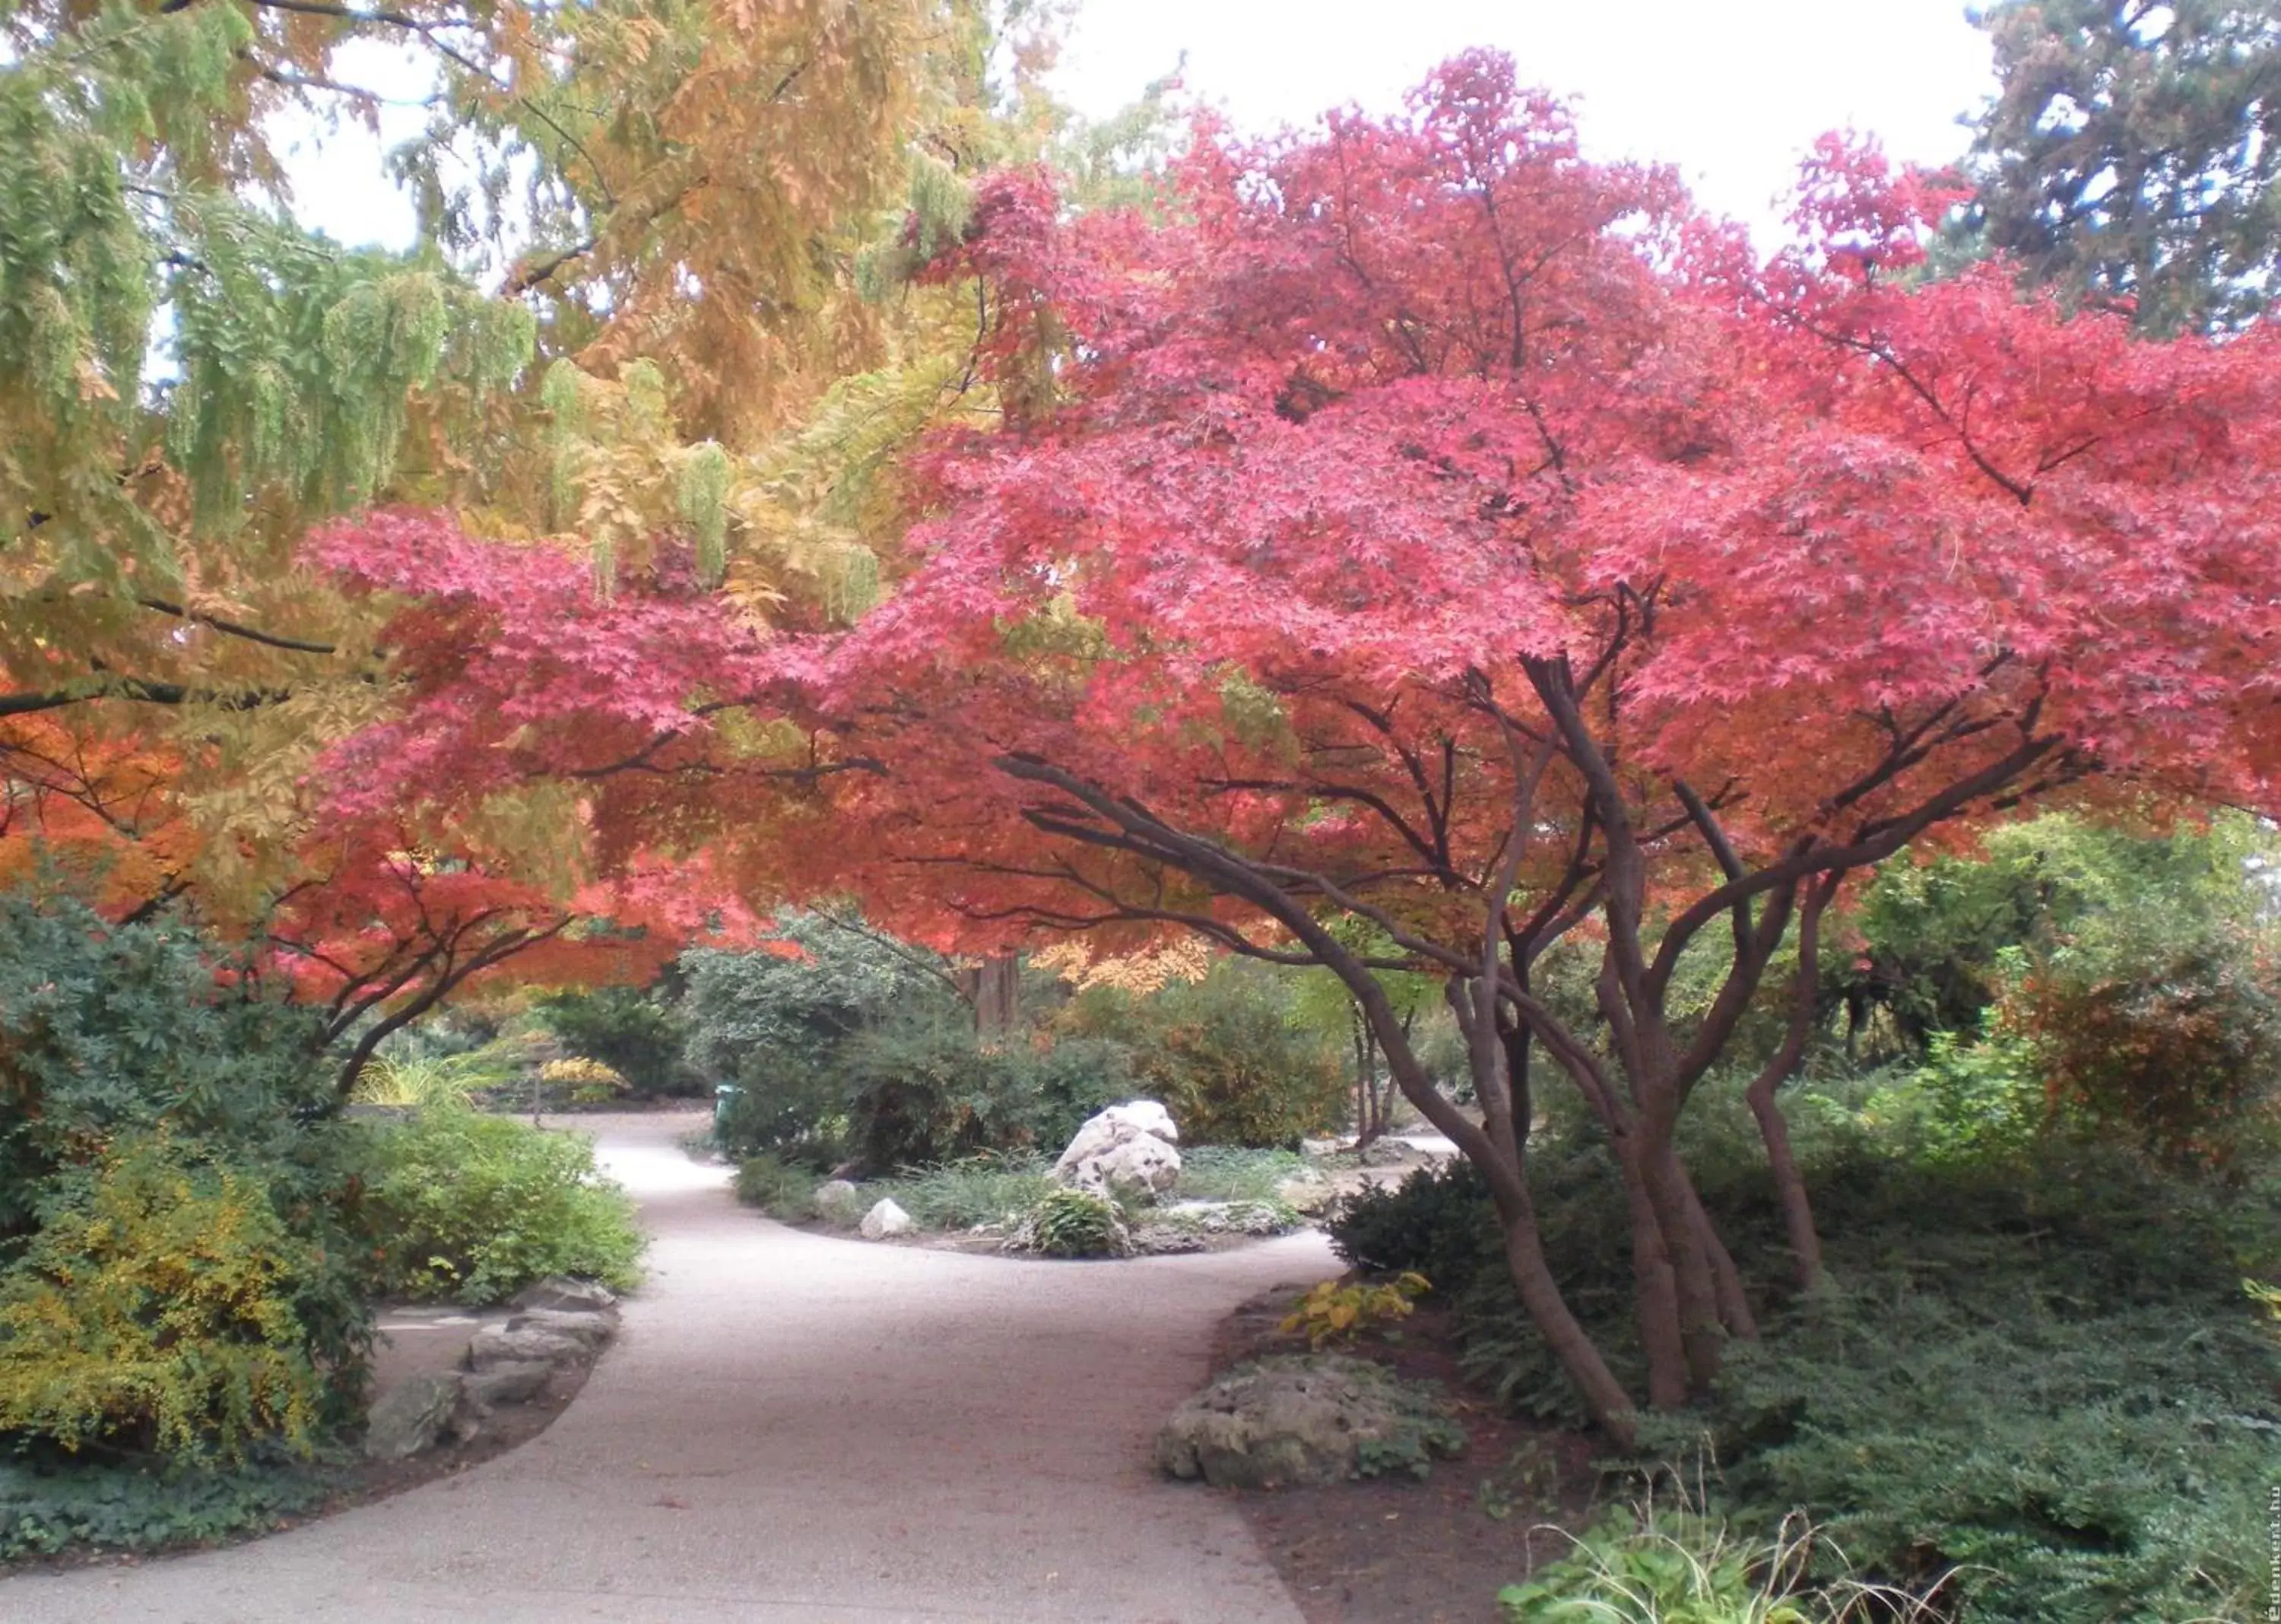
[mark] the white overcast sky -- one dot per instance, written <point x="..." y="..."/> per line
<point x="1732" y="91"/>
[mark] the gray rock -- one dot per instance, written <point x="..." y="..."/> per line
<point x="1307" y="1193"/>
<point x="588" y="1330"/>
<point x="1164" y="1241"/>
<point x="560" y="1293"/>
<point x="1298" y="1419"/>
<point x="885" y="1219"/>
<point x="505" y="1384"/>
<point x="838" y="1201"/>
<point x="1232" y="1217"/>
<point x="1385" y="1153"/>
<point x="416" y="1414"/>
<point x="496" y="1345"/>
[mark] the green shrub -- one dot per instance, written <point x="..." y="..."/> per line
<point x="158" y="1310"/>
<point x="989" y="1188"/>
<point x="859" y="1050"/>
<point x="1229" y="1055"/>
<point x="919" y="1096"/>
<point x="109" y="1029"/>
<point x="1437" y="1222"/>
<point x="1072" y="1224"/>
<point x="779" y="1188"/>
<point x="473" y="1207"/>
<point x="637" y="1033"/>
<point x="1972" y="1101"/>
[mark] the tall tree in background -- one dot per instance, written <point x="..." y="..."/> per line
<point x="636" y="272"/>
<point x="2130" y="154"/>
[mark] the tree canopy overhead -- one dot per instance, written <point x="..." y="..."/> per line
<point x="1425" y="525"/>
<point x="635" y="278"/>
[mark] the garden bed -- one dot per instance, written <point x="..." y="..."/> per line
<point x="1434" y="1551"/>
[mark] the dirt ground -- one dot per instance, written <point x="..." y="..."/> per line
<point x="1387" y="1550"/>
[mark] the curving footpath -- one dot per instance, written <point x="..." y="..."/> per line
<point x="794" y="1428"/>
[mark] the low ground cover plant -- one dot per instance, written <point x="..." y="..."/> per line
<point x="1339" y="1312"/>
<point x="1236" y="1172"/>
<point x="1659" y="1565"/>
<point x="2040" y="1373"/>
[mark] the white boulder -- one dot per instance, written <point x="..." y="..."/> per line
<point x="1127" y="1150"/>
<point x="885" y="1219"/>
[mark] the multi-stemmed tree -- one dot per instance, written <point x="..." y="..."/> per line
<point x="1425" y="526"/>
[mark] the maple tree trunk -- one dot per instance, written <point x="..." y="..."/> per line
<point x="1773" y="1127"/>
<point x="1790" y="1185"/>
<point x="1502" y="1162"/>
<point x="1540" y="1294"/>
<point x="1655" y="1295"/>
<point x="1726" y="1280"/>
<point x="1700" y="1328"/>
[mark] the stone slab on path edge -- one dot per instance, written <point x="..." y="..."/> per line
<point x="793" y="1427"/>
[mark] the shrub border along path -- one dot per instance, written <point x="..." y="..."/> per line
<point x="797" y="1427"/>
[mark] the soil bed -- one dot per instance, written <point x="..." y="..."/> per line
<point x="1400" y="1551"/>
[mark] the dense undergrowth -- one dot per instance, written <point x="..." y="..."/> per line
<point x="192" y="1237"/>
<point x="2038" y="1371"/>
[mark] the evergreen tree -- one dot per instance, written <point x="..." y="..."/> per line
<point x="2130" y="154"/>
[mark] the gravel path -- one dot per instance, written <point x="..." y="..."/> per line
<point x="794" y="1428"/>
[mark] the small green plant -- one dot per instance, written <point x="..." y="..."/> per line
<point x="781" y="1189"/>
<point x="1420" y="1437"/>
<point x="1653" y="1565"/>
<point x="1530" y="1477"/>
<point x="415" y="1083"/>
<point x="1340" y="1311"/>
<point x="139" y="1506"/>
<point x="1074" y="1223"/>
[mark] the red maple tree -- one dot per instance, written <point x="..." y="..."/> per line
<point x="1429" y="525"/>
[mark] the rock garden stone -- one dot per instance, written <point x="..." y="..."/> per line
<point x="562" y="1294"/>
<point x="416" y="1414"/>
<point x="1300" y="1419"/>
<point x="505" y="1384"/>
<point x="1127" y="1150"/>
<point x="497" y="1345"/>
<point x="1310" y="1191"/>
<point x="839" y="1200"/>
<point x="1164" y="1241"/>
<point x="1232" y="1217"/>
<point x="884" y="1220"/>
<point x="590" y="1331"/>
